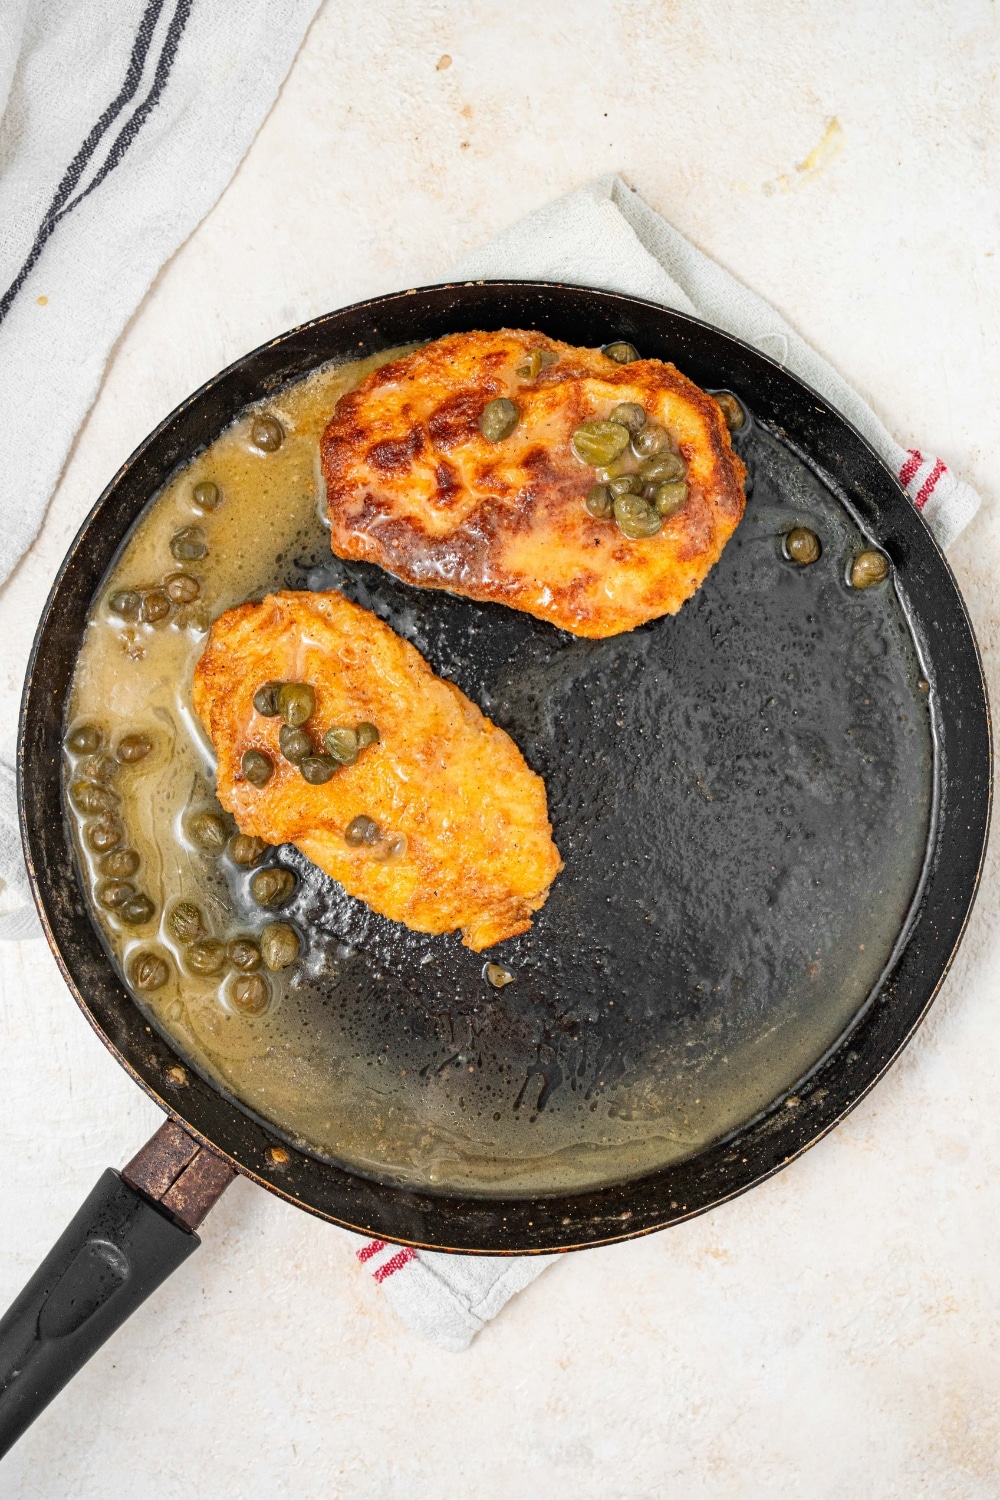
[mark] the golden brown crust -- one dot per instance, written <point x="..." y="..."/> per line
<point x="479" y="852"/>
<point x="414" y="486"/>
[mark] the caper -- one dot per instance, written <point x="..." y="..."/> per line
<point x="125" y="603"/>
<point x="604" y="473"/>
<point x="533" y="366"/>
<point x="294" y="744"/>
<point x="206" y="495"/>
<point x="137" y="910"/>
<point x="243" y="954"/>
<point x="101" y="768"/>
<point x="393" y="847"/>
<point x="88" y="797"/>
<point x="731" y="410"/>
<point x="155" y="606"/>
<point x="209" y="830"/>
<point x="630" y="415"/>
<point x="266" y="433"/>
<point x="499" y="419"/>
<point x="367" y="734"/>
<point x="186" y="922"/>
<point x="599" y="442"/>
<point x="207" y="956"/>
<point x="103" y="836"/>
<point x="279" y="945"/>
<point x="652" y="439"/>
<point x="257" y="767"/>
<point x="181" y="588"/>
<point x="626" y="484"/>
<point x="621" y="353"/>
<point x="663" y="466"/>
<point x="342" y="744"/>
<point x="250" y="994"/>
<point x="84" y="739"/>
<point x="272" y="887"/>
<point x="112" y="893"/>
<point x="670" y="496"/>
<point x="318" y="768"/>
<point x="296" y="701"/>
<point x="133" y="747"/>
<point x="120" y="863"/>
<point x="148" y="971"/>
<point x="802" y="546"/>
<point x="362" y="830"/>
<point x="497" y="975"/>
<point x="246" y="849"/>
<point x="637" y="517"/>
<point x="188" y="544"/>
<point x="600" y="502"/>
<point x="265" y="699"/>
<point x="868" y="568"/>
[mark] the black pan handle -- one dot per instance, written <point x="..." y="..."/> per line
<point x="133" y="1230"/>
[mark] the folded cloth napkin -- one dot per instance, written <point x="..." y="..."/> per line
<point x="604" y="235"/>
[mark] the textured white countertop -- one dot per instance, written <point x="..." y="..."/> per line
<point x="837" y="1331"/>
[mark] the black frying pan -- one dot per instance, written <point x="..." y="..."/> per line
<point x="773" y="810"/>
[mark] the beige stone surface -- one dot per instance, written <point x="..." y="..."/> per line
<point x="836" y="1332"/>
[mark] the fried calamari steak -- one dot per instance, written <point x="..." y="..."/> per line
<point x="462" y="837"/>
<point x="414" y="485"/>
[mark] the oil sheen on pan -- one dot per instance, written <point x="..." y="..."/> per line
<point x="512" y="468"/>
<point x="741" y="794"/>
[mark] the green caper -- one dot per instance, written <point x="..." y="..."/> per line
<point x="243" y="954"/>
<point x="126" y="603"/>
<point x="279" y="945"/>
<point x="272" y="887"/>
<point x="802" y="546"/>
<point x="188" y="544"/>
<point x="186" y="922"/>
<point x="88" y="797"/>
<point x="630" y="415"/>
<point x="206" y="956"/>
<point x="731" y="410"/>
<point x="663" y="466"/>
<point x="84" y="739"/>
<point x="137" y="910"/>
<point x="393" y="847"/>
<point x="652" y="439"/>
<point x="497" y="975"/>
<point x="296" y="701"/>
<point x="209" y="830"/>
<point x="250" y="994"/>
<point x="245" y="848"/>
<point x="367" y="735"/>
<point x="155" y="606"/>
<point x="533" y="367"/>
<point x="100" y="768"/>
<point x="342" y="744"/>
<point x="181" y="588"/>
<point x="499" y="419"/>
<point x="626" y="484"/>
<point x="621" y="353"/>
<point x="265" y="699"/>
<point x="133" y="747"/>
<point x="103" y="836"/>
<point x="257" y="767"/>
<point x="148" y="971"/>
<point x="637" y="518"/>
<point x="294" y="744"/>
<point x="318" y="768"/>
<point x="266" y="433"/>
<point x="113" y="893"/>
<point x="599" y="442"/>
<point x="120" y="863"/>
<point x="206" y="495"/>
<point x="604" y="473"/>
<point x="669" y="497"/>
<point x="600" y="502"/>
<point x="867" y="568"/>
<point x="362" y="830"/>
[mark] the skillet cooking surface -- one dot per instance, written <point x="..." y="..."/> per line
<point x="742" y="795"/>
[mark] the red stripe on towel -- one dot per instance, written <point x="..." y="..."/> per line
<point x="911" y="466"/>
<point x="367" y="1251"/>
<point x="927" y="488"/>
<point x="398" y="1261"/>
